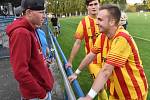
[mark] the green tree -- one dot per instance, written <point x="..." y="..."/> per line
<point x="121" y="3"/>
<point x="148" y="4"/>
<point x="66" y="6"/>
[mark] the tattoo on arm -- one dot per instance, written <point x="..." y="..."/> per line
<point x="78" y="42"/>
<point x="89" y="59"/>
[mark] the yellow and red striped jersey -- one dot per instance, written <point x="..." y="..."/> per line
<point x="101" y="47"/>
<point x="89" y="31"/>
<point x="128" y="80"/>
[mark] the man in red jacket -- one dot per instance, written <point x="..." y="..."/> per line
<point x="29" y="67"/>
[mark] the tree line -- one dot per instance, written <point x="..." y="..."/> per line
<point x="76" y="6"/>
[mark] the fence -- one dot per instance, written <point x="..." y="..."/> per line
<point x="4" y="21"/>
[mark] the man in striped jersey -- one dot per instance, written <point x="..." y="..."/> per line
<point x="88" y="30"/>
<point x="123" y="65"/>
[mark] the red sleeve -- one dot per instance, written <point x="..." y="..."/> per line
<point x="78" y="36"/>
<point x="96" y="50"/>
<point x="20" y="51"/>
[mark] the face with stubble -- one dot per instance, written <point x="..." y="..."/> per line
<point x="36" y="17"/>
<point x="103" y="21"/>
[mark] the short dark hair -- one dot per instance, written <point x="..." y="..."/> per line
<point x="88" y="1"/>
<point x="113" y="10"/>
<point x="32" y="4"/>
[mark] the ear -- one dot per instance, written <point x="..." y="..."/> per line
<point x="28" y="12"/>
<point x="112" y="22"/>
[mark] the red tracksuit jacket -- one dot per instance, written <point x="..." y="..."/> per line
<point x="29" y="67"/>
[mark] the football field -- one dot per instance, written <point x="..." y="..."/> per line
<point x="138" y="27"/>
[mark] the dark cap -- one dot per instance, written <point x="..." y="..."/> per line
<point x="32" y="4"/>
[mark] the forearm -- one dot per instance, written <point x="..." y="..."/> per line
<point x="102" y="77"/>
<point x="99" y="82"/>
<point x="75" y="50"/>
<point x="86" y="61"/>
<point x="47" y="51"/>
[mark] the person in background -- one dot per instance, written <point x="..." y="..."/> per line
<point x="88" y="31"/>
<point x="56" y="25"/>
<point x="124" y="20"/>
<point x="123" y="65"/>
<point x="18" y="12"/>
<point x="44" y="44"/>
<point x="29" y="67"/>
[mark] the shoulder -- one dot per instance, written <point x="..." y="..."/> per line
<point x="22" y="31"/>
<point x="40" y="31"/>
<point x="22" y="34"/>
<point x="84" y="18"/>
<point x="122" y="39"/>
<point x="124" y="34"/>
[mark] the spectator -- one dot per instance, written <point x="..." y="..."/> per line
<point x="28" y="64"/>
<point x="124" y="20"/>
<point x="18" y="12"/>
<point x="56" y="25"/>
<point x="44" y="44"/>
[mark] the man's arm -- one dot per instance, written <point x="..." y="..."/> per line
<point x="47" y="51"/>
<point x="74" y="51"/>
<point x="86" y="61"/>
<point x="99" y="82"/>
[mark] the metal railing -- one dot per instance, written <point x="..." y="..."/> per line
<point x="4" y="49"/>
<point x="68" y="88"/>
<point x="69" y="71"/>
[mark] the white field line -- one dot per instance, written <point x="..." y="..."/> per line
<point x="141" y="38"/>
<point x="131" y="35"/>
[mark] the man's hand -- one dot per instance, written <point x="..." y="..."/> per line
<point x="44" y="97"/>
<point x="72" y="77"/>
<point x="68" y="65"/>
<point x="85" y="98"/>
<point x="48" y="61"/>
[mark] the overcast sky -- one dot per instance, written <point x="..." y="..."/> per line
<point x="134" y="1"/>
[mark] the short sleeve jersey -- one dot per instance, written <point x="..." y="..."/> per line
<point x="89" y="31"/>
<point x="101" y="47"/>
<point x="128" y="80"/>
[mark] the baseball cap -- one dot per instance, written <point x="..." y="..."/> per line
<point x="32" y="4"/>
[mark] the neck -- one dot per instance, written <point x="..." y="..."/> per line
<point x="93" y="16"/>
<point x="112" y="32"/>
